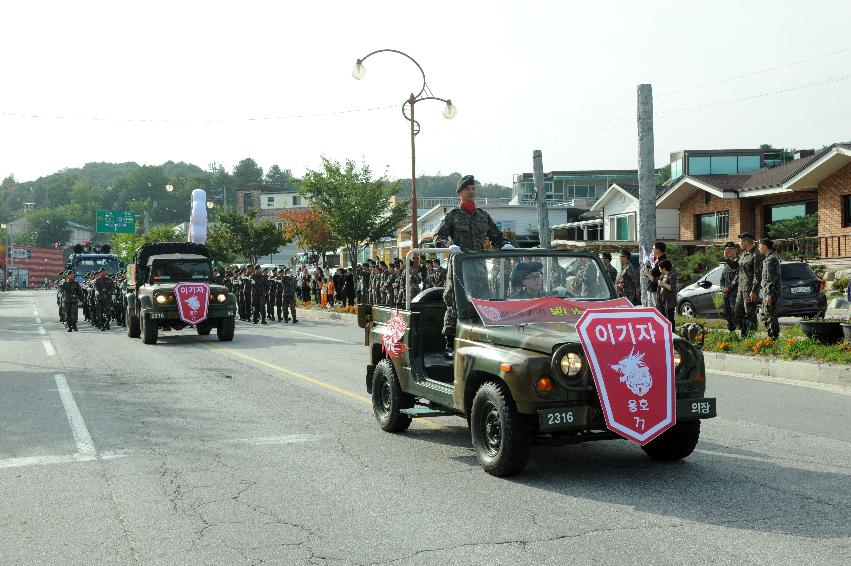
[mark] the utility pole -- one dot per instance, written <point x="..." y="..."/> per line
<point x="646" y="178"/>
<point x="541" y="198"/>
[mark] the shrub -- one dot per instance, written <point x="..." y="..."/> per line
<point x="840" y="284"/>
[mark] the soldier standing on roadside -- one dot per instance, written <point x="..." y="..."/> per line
<point x="288" y="291"/>
<point x="72" y="294"/>
<point x="627" y="281"/>
<point x="770" y="287"/>
<point x="258" y="295"/>
<point x="608" y="267"/>
<point x="467" y="226"/>
<point x="750" y="280"/>
<point x="730" y="283"/>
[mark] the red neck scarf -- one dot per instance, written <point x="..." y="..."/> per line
<point x="468" y="207"/>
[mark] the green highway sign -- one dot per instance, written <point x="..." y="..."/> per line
<point x="116" y="222"/>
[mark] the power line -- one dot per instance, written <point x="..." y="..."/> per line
<point x="195" y="120"/>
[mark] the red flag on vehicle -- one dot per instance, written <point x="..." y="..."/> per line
<point x="193" y="300"/>
<point x="631" y="355"/>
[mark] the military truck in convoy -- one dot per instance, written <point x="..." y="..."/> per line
<point x="169" y="287"/>
<point x="521" y="382"/>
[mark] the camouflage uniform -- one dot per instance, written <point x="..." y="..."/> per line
<point x="467" y="231"/>
<point x="416" y="280"/>
<point x="612" y="271"/>
<point x="627" y="283"/>
<point x="771" y="286"/>
<point x="730" y="281"/>
<point x="585" y="281"/>
<point x="72" y="293"/>
<point x="750" y="279"/>
<point x="287" y="286"/>
<point x="437" y="277"/>
<point x="258" y="295"/>
<point x="104" y="288"/>
<point x="388" y="288"/>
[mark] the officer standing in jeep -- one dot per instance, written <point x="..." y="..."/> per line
<point x="750" y="281"/>
<point x="468" y="227"/>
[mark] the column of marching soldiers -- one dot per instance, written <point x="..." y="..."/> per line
<point x="261" y="294"/>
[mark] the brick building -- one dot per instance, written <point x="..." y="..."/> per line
<point x="720" y="206"/>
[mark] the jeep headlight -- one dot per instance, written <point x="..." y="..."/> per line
<point x="571" y="364"/>
<point x="677" y="358"/>
<point x="221" y="297"/>
<point x="161" y="299"/>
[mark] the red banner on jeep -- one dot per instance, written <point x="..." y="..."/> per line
<point x="631" y="356"/>
<point x="193" y="300"/>
<point x="543" y="310"/>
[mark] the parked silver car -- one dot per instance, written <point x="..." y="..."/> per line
<point x="801" y="293"/>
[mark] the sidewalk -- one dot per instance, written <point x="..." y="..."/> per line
<point x="764" y="366"/>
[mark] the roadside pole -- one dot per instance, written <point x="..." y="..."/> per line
<point x="543" y="216"/>
<point x="646" y="179"/>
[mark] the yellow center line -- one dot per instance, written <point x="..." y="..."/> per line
<point x="308" y="379"/>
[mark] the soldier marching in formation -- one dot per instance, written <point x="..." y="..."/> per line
<point x="70" y="295"/>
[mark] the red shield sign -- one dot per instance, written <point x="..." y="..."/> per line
<point x="631" y="354"/>
<point x="193" y="300"/>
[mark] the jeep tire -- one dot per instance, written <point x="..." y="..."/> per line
<point x="149" y="330"/>
<point x="203" y="328"/>
<point x="388" y="399"/>
<point x="675" y="443"/>
<point x="133" y="330"/>
<point x="501" y="436"/>
<point x="225" y="329"/>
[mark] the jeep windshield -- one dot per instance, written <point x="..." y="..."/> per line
<point x="171" y="271"/>
<point x="88" y="264"/>
<point x="518" y="277"/>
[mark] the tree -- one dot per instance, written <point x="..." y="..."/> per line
<point x="241" y="236"/>
<point x="125" y="245"/>
<point x="281" y="177"/>
<point x="309" y="229"/>
<point x="800" y="231"/>
<point x="48" y="225"/>
<point x="356" y="207"/>
<point x="247" y="171"/>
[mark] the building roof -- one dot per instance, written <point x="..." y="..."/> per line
<point x="263" y="188"/>
<point x="79" y="226"/>
<point x="798" y="174"/>
<point x="616" y="188"/>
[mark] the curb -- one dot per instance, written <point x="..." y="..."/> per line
<point x="313" y="314"/>
<point x="834" y="374"/>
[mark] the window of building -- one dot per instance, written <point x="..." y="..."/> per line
<point x="622" y="228"/>
<point x="789" y="210"/>
<point x="713" y="225"/>
<point x="699" y="166"/>
<point x="296" y="200"/>
<point x="748" y="163"/>
<point x="270" y="201"/>
<point x="279" y="224"/>
<point x="721" y="165"/>
<point x="677" y="169"/>
<point x="846" y="211"/>
<point x="247" y="203"/>
<point x="707" y="197"/>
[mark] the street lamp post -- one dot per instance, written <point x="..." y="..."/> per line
<point x="449" y="112"/>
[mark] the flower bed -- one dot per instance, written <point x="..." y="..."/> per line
<point x="792" y="345"/>
<point x="315" y="307"/>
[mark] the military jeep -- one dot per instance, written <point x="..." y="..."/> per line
<point x="516" y="385"/>
<point x="152" y="278"/>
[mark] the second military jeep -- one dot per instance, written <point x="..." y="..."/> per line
<point x="153" y="278"/>
<point x="515" y="384"/>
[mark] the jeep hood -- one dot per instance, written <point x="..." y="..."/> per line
<point x="540" y="337"/>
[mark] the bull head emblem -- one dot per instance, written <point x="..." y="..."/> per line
<point x="634" y="373"/>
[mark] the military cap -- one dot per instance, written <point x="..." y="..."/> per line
<point x="746" y="236"/>
<point x="464" y="182"/>
<point x="768" y="243"/>
<point x="730" y="245"/>
<point x="257" y="266"/>
<point x="607" y="255"/>
<point x="523" y="270"/>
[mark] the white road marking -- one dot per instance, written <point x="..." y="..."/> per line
<point x="65" y="459"/>
<point x="323" y="337"/>
<point x="85" y="445"/>
<point x="42" y="331"/>
<point x="37" y="320"/>
<point x="830" y="387"/>
<point x="48" y="347"/>
<point x="284" y="439"/>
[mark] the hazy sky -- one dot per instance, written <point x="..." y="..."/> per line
<point x="156" y="81"/>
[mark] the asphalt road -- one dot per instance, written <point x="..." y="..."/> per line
<point x="265" y="450"/>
